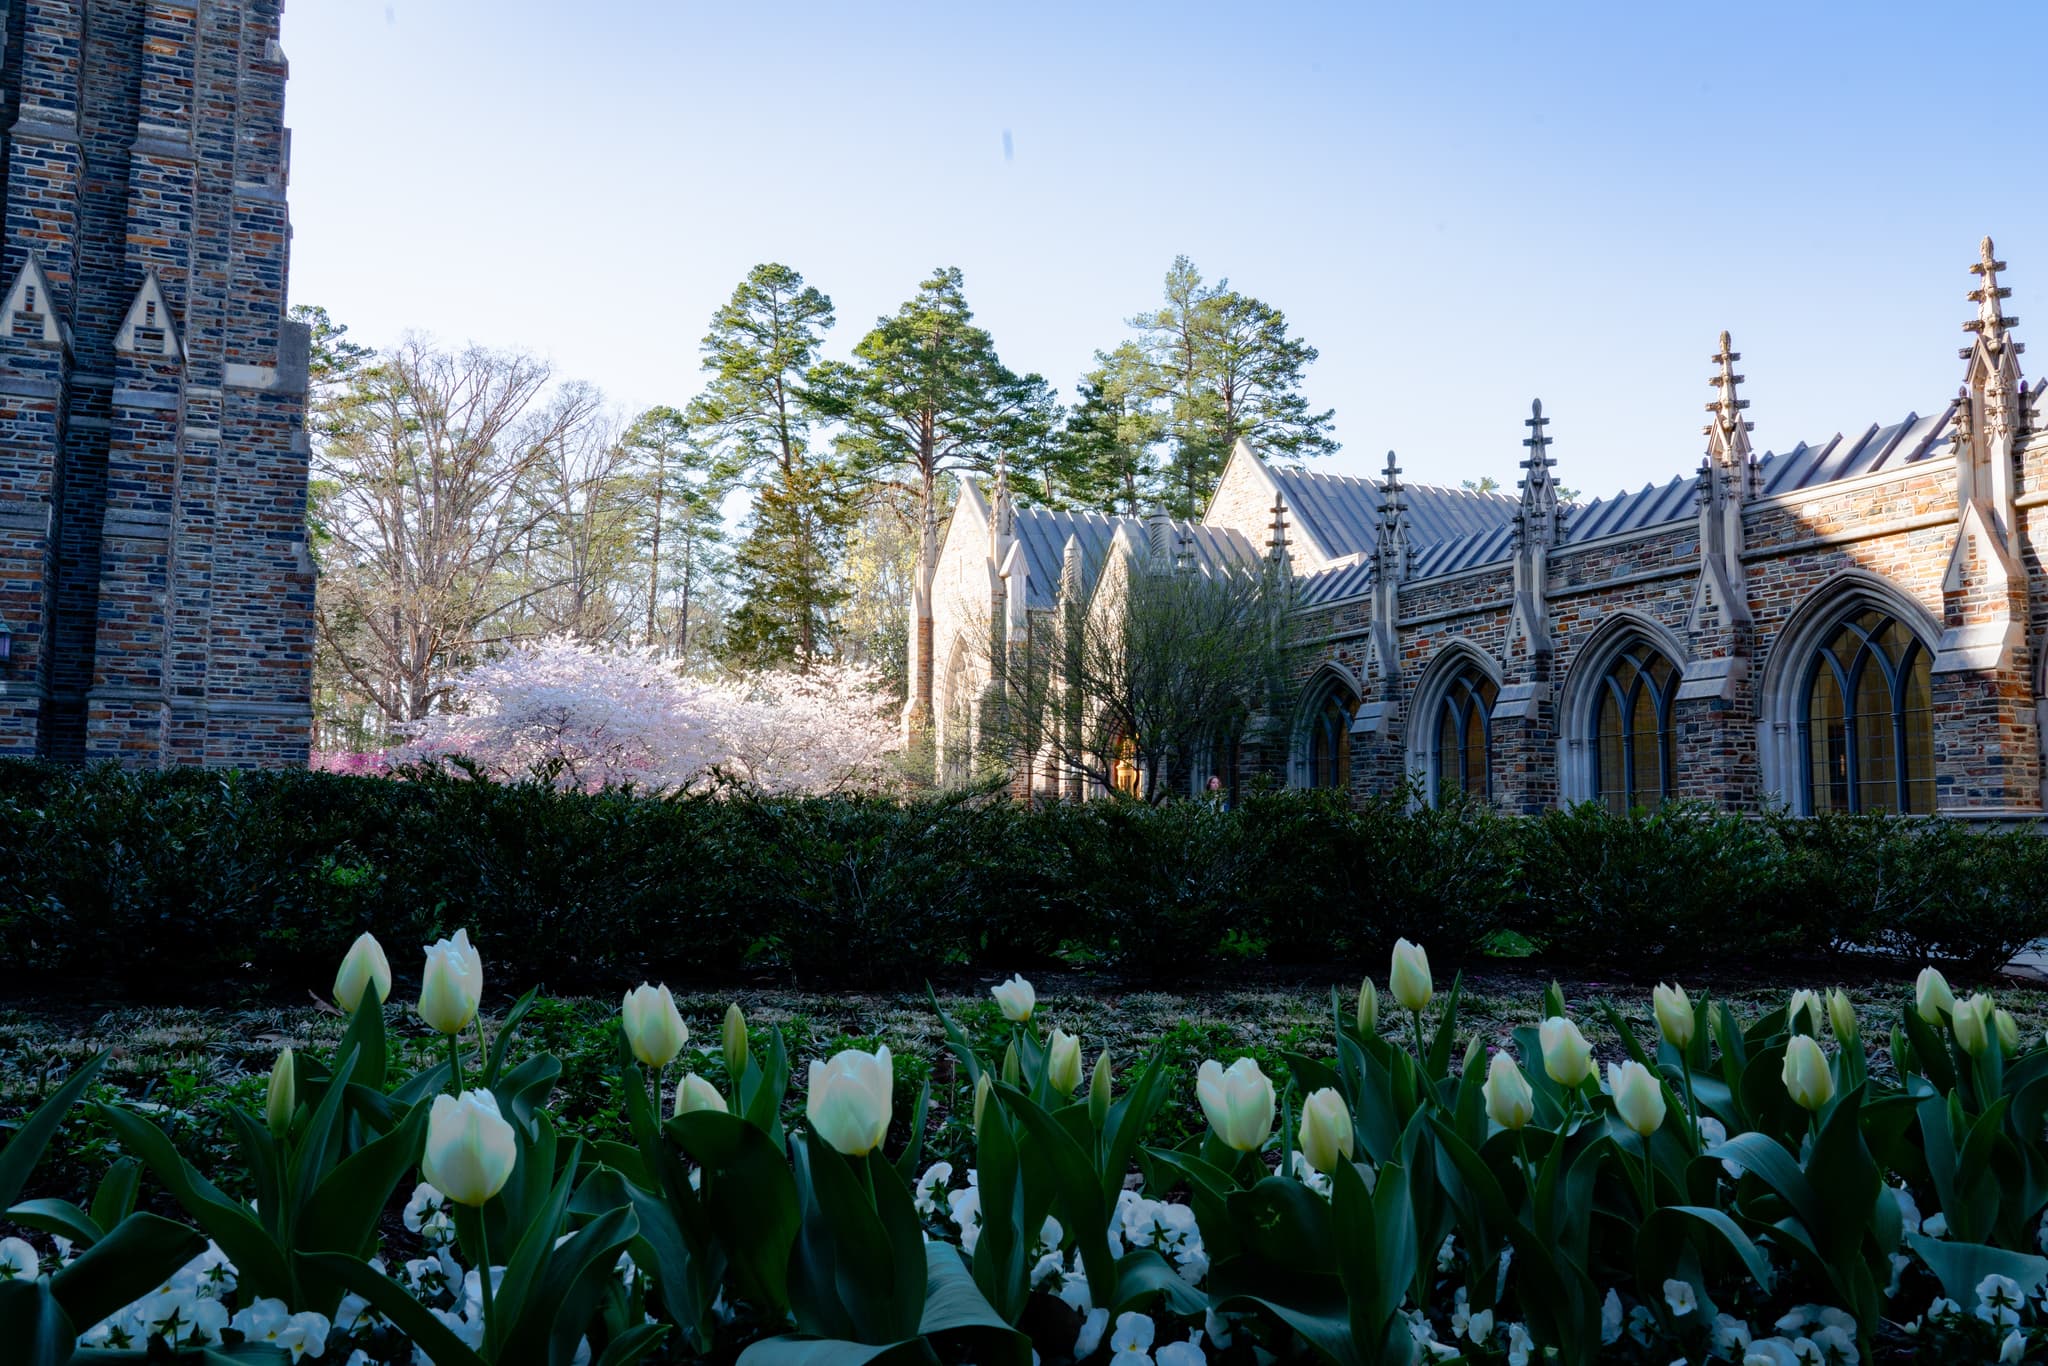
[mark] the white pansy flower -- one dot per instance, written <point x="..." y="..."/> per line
<point x="1187" y="1353"/>
<point x="1093" y="1326"/>
<point x="1131" y="1343"/>
<point x="18" y="1261"/>
<point x="1681" y="1297"/>
<point x="1999" y="1302"/>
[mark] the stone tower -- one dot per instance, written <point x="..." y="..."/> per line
<point x="156" y="595"/>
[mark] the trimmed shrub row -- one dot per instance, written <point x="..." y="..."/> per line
<point x="173" y="882"/>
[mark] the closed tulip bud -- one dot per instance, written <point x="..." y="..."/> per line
<point x="693" y="1093"/>
<point x="982" y="1089"/>
<point x="1325" y="1136"/>
<point x="850" y="1100"/>
<point x="1638" y="1096"/>
<point x="1805" y="1007"/>
<point x="2008" y="1030"/>
<point x="1368" y="1009"/>
<point x="363" y="966"/>
<point x="1674" y="1015"/>
<point x="1238" y="1103"/>
<point x="1409" y="978"/>
<point x="470" y="1148"/>
<point x="1016" y="998"/>
<point x="1509" y="1101"/>
<point x="1099" y="1091"/>
<point x="1807" y="1078"/>
<point x="1567" y="1057"/>
<point x="283" y="1097"/>
<point x="1842" y="1016"/>
<point x="1931" y="996"/>
<point x="732" y="1037"/>
<point x="654" y="1027"/>
<point x="1973" y="1024"/>
<point x="1013" y="1071"/>
<point x="453" y="984"/>
<point x="1063" y="1062"/>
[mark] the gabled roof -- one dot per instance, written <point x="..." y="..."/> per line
<point x="1805" y="466"/>
<point x="1043" y="533"/>
<point x="1342" y="511"/>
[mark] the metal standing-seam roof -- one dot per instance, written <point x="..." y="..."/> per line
<point x="1342" y="511"/>
<point x="1043" y="533"/>
<point x="1805" y="466"/>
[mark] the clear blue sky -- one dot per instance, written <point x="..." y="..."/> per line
<point x="1463" y="206"/>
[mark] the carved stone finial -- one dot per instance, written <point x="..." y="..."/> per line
<point x="1540" y="518"/>
<point x="1962" y="434"/>
<point x="1991" y="322"/>
<point x="1726" y="407"/>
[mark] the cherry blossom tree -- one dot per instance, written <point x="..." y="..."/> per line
<point x="598" y="717"/>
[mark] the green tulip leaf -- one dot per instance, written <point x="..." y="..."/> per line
<point x="1761" y="1156"/>
<point x="800" y="1349"/>
<point x="342" y="1214"/>
<point x="1960" y="1267"/>
<point x="749" y="1198"/>
<point x="556" y="1314"/>
<point x="391" y="1299"/>
<point x="59" y="1217"/>
<point x="114" y="1198"/>
<point x="259" y="1262"/>
<point x="137" y="1255"/>
<point x="508" y="1029"/>
<point x="535" y="1236"/>
<point x="1312" y="1305"/>
<point x="34" y="1329"/>
<point x="1143" y="1275"/>
<point x="954" y="1306"/>
<point x="364" y="1042"/>
<point x="25" y="1149"/>
<point x="1282" y="1222"/>
<point x="1665" y="1233"/>
<point x="631" y="1345"/>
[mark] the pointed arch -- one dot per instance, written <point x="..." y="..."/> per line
<point x="1874" y="729"/>
<point x="1320" y="752"/>
<point x="1450" y="738"/>
<point x="1621" y="687"/>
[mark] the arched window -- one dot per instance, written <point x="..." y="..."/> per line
<point x="1329" y="741"/>
<point x="1460" y="759"/>
<point x="1868" y="732"/>
<point x="1224" y="761"/>
<point x="1633" y="763"/>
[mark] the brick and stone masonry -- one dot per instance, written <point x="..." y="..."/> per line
<point x="156" y="592"/>
<point x="1740" y="579"/>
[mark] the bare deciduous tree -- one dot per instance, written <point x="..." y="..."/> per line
<point x="433" y="463"/>
<point x="1136" y="690"/>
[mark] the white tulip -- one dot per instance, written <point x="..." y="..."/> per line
<point x="1567" y="1057"/>
<point x="1408" y="981"/>
<point x="1016" y="998"/>
<point x="654" y="1027"/>
<point x="694" y="1093"/>
<point x="1973" y="1024"/>
<point x="1063" y="1062"/>
<point x="453" y="984"/>
<point x="1842" y="1016"/>
<point x="2008" y="1030"/>
<point x="1509" y="1101"/>
<point x="732" y="1040"/>
<point x="470" y="1148"/>
<point x="282" y="1097"/>
<point x="850" y="1100"/>
<point x="1805" y="1003"/>
<point x="1638" y="1096"/>
<point x="1931" y="996"/>
<point x="1368" y="1015"/>
<point x="1325" y="1136"/>
<point x="1238" y="1103"/>
<point x="1807" y="1078"/>
<point x="1674" y="1015"/>
<point x="363" y="966"/>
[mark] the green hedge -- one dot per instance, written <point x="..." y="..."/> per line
<point x="169" y="883"/>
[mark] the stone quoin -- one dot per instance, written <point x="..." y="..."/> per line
<point x="156" y="595"/>
<point x="1855" y="624"/>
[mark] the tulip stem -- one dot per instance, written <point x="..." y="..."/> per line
<point x="455" y="1063"/>
<point x="1649" y="1180"/>
<point x="1421" y="1055"/>
<point x="483" y="1277"/>
<point x="1528" y="1168"/>
<point x="1692" y="1114"/>
<point x="483" y="1052"/>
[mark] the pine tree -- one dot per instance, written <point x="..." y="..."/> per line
<point x="1112" y="432"/>
<point x="758" y="416"/>
<point x="1224" y="368"/>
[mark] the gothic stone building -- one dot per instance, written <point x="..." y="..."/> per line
<point x="156" y="598"/>
<point x="1856" y="625"/>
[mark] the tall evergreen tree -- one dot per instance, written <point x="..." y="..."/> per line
<point x="1225" y="367"/>
<point x="927" y="397"/>
<point x="1112" y="433"/>
<point x="759" y="415"/>
<point x="683" y="530"/>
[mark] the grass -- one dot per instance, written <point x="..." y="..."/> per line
<point x="188" y="1065"/>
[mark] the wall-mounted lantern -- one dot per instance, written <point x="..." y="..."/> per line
<point x="6" y="641"/>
